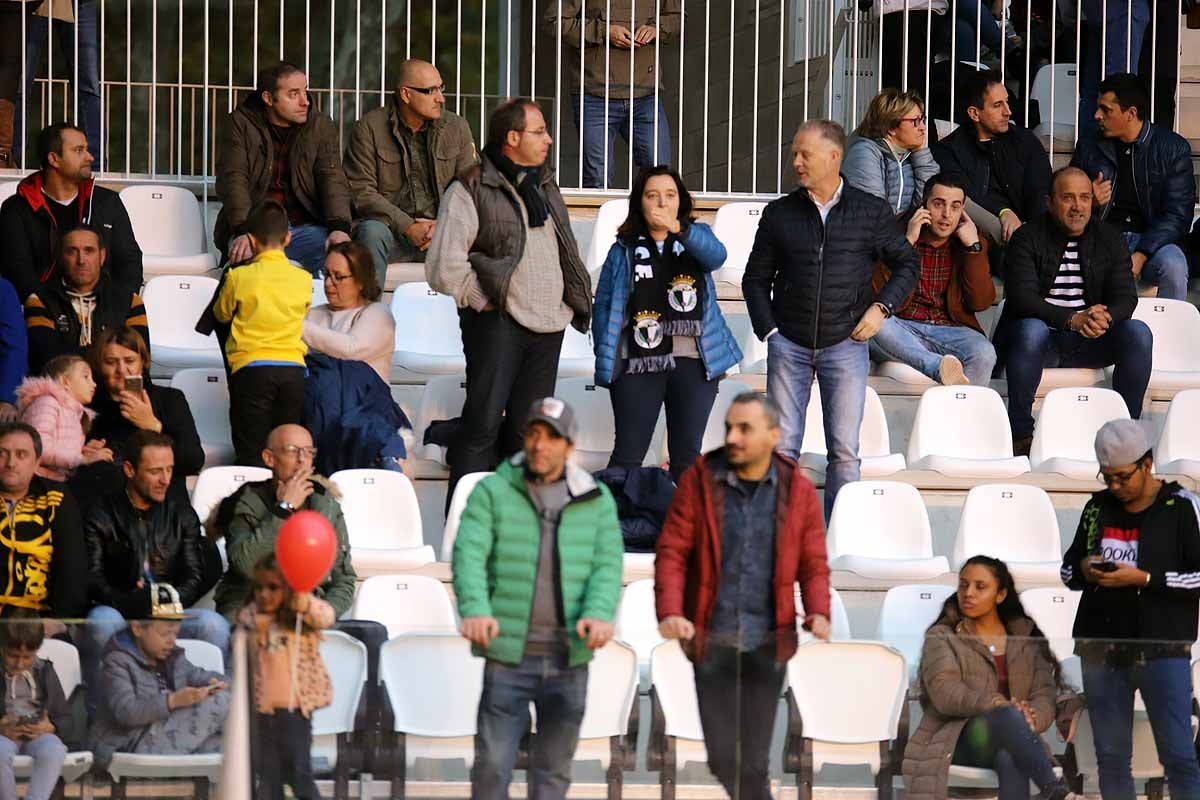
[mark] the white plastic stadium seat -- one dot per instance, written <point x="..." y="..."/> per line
<point x="839" y="621"/>
<point x="346" y="660"/>
<point x="214" y="484"/>
<point x="442" y="399"/>
<point x="1065" y="433"/>
<point x="608" y="218"/>
<point x="383" y="520"/>
<point x="673" y="692"/>
<point x="907" y="613"/>
<point x="428" y="341"/>
<point x="874" y="444"/>
<point x="1058" y="122"/>
<point x="903" y="373"/>
<point x="736" y="225"/>
<point x="173" y="306"/>
<point x="405" y="604"/>
<point x="65" y="659"/>
<point x="462" y="493"/>
<point x="1176" y="328"/>
<point x="577" y="359"/>
<point x="714" y="430"/>
<point x="318" y="295"/>
<point x="900" y="549"/>
<point x="963" y="431"/>
<point x="1016" y="524"/>
<point x="849" y="696"/>
<point x="1178" y="450"/>
<point x="597" y="431"/>
<point x="1054" y="609"/>
<point x="169" y="228"/>
<point x="207" y="394"/>
<point x="8" y="189"/>
<point x="612" y="689"/>
<point x="637" y="623"/>
<point x="754" y="351"/>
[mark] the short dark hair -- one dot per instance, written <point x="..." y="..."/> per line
<point x="763" y="401"/>
<point x="16" y="426"/>
<point x="508" y="116"/>
<point x="269" y="77"/>
<point x="267" y="222"/>
<point x="1129" y="91"/>
<point x="86" y="227"/>
<point x="22" y="630"/>
<point x="50" y="140"/>
<point x="635" y="223"/>
<point x="948" y="179"/>
<point x="362" y="268"/>
<point x="975" y="86"/>
<point x="140" y="440"/>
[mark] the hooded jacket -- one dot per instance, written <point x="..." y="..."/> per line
<point x="47" y="405"/>
<point x="53" y="324"/>
<point x="30" y="235"/>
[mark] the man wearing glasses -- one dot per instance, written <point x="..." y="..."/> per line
<point x="400" y="159"/>
<point x="1136" y="558"/>
<point x="252" y="516"/>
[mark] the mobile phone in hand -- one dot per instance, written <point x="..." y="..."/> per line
<point x="1104" y="566"/>
<point x="133" y="384"/>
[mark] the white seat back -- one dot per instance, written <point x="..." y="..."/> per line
<point x="1176" y="328"/>
<point x="1068" y="421"/>
<point x="637" y="621"/>
<point x="462" y="493"/>
<point x="346" y="660"/>
<point x="433" y="683"/>
<point x="674" y="682"/>
<point x="1180" y="437"/>
<point x="856" y="525"/>
<point x="318" y="295"/>
<point x="1065" y="99"/>
<point x="1011" y="522"/>
<point x="960" y="422"/>
<point x="65" y="658"/>
<point x="1054" y="612"/>
<point x="207" y="393"/>
<point x="8" y="189"/>
<point x="907" y="613"/>
<point x="405" y="604"/>
<point x="426" y="322"/>
<point x="848" y="692"/>
<point x="204" y="655"/>
<point x="839" y="620"/>
<point x="442" y="399"/>
<point x="593" y="411"/>
<point x="873" y="438"/>
<point x="173" y="306"/>
<point x="611" y="689"/>
<point x="380" y="507"/>
<point x="166" y="220"/>
<point x="216" y="483"/>
<point x="736" y="225"/>
<point x="604" y="233"/>
<point x="714" y="430"/>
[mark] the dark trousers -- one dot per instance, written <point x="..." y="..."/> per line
<point x="508" y="367"/>
<point x="282" y="746"/>
<point x="261" y="399"/>
<point x="636" y="399"/>
<point x="1001" y="740"/>
<point x="738" y="695"/>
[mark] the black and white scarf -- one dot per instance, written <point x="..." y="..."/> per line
<point x="667" y="300"/>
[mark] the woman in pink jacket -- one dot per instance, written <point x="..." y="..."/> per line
<point x="54" y="404"/>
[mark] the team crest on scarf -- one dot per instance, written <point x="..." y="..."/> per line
<point x="682" y="294"/>
<point x="647" y="330"/>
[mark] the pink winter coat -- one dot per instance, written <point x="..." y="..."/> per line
<point x="46" y="405"/>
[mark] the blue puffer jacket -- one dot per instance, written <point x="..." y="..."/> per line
<point x="718" y="349"/>
<point x="897" y="176"/>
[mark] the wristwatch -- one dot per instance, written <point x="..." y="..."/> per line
<point x="286" y="506"/>
<point x="976" y="248"/>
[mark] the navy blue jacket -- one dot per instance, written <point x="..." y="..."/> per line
<point x="351" y="414"/>
<point x="14" y="343"/>
<point x="1162" y="174"/>
<point x="718" y="349"/>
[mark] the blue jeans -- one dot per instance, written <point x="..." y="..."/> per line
<point x="598" y="140"/>
<point x="1167" y="269"/>
<point x="307" y="247"/>
<point x="1166" y="685"/>
<point x="559" y="693"/>
<point x="921" y="345"/>
<point x="37" y="35"/>
<point x="48" y="753"/>
<point x="377" y="237"/>
<point x="1028" y="345"/>
<point x="1001" y="740"/>
<point x="1120" y="24"/>
<point x="842" y="372"/>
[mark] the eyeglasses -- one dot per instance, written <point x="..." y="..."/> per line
<point x="916" y="121"/>
<point x="439" y="89"/>
<point x="539" y="132"/>
<point x="293" y="450"/>
<point x="1118" y="478"/>
<point x="338" y="278"/>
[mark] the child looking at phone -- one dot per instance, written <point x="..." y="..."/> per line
<point x="55" y="404"/>
<point x="290" y="680"/>
<point x="33" y="711"/>
<point x="152" y="699"/>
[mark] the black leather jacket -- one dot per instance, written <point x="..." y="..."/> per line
<point x="122" y="541"/>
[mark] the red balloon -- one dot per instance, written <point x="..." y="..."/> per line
<point x="305" y="549"/>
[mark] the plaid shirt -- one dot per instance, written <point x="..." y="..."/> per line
<point x="280" y="189"/>
<point x="928" y="301"/>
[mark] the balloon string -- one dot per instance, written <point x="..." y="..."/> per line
<point x="292" y="698"/>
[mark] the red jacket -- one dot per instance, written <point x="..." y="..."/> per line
<point x="687" y="568"/>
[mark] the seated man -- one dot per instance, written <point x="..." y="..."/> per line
<point x="274" y="146"/>
<point x="1142" y="180"/>
<point x="139" y="534"/>
<point x="68" y="313"/>
<point x="42" y="552"/>
<point x="252" y="516"/>
<point x="935" y="331"/>
<point x="1069" y="298"/>
<point x="59" y="197"/>
<point x="400" y="159"/>
<point x="1005" y="169"/>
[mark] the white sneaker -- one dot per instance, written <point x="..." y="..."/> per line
<point x="950" y="372"/>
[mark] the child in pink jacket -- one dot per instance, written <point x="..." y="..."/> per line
<point x="54" y="404"/>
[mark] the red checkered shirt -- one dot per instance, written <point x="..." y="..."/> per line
<point x="928" y="301"/>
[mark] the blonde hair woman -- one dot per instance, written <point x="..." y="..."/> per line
<point x="889" y="154"/>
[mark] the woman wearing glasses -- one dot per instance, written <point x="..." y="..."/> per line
<point x="888" y="155"/>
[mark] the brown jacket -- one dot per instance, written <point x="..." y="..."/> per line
<point x="610" y="65"/>
<point x="958" y="682"/>
<point x="970" y="289"/>
<point x="245" y="155"/>
<point x="375" y="162"/>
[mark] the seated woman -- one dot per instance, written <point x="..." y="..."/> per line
<point x="889" y="156"/>
<point x="989" y="687"/>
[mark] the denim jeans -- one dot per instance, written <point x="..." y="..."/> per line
<point x="1120" y="25"/>
<point x="602" y="123"/>
<point x="558" y="693"/>
<point x="1028" y="345"/>
<point x="377" y="237"/>
<point x="921" y="345"/>
<point x="1167" y="269"/>
<point x="48" y="753"/>
<point x="37" y="35"/>
<point x="307" y="247"/>
<point x="1166" y="686"/>
<point x="1001" y="740"/>
<point x="842" y="372"/>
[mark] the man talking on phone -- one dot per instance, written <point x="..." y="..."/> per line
<point x="1136" y="558"/>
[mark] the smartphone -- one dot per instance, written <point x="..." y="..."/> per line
<point x="30" y="719"/>
<point x="1105" y="566"/>
<point x="134" y="384"/>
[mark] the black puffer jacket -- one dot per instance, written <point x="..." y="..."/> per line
<point x="121" y="539"/>
<point x="813" y="280"/>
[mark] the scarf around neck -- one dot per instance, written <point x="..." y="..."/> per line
<point x="526" y="180"/>
<point x="667" y="299"/>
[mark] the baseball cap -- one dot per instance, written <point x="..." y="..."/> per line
<point x="1122" y="441"/>
<point x="555" y="413"/>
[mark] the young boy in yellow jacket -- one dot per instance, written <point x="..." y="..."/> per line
<point x="265" y="301"/>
